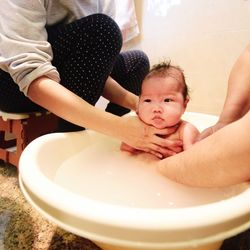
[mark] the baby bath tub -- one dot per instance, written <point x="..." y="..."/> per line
<point x="82" y="182"/>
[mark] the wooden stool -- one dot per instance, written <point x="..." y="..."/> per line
<point x="18" y="130"/>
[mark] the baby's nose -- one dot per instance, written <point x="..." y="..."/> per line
<point x="157" y="108"/>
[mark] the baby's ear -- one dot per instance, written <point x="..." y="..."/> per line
<point x="186" y="101"/>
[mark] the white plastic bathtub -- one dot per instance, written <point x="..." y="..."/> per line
<point x="82" y="182"/>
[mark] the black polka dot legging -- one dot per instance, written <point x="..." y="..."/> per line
<point x="85" y="53"/>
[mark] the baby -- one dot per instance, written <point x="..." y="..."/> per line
<point x="162" y="101"/>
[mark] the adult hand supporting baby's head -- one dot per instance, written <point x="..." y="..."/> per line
<point x="148" y="138"/>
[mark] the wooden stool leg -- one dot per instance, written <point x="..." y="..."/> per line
<point x="36" y="126"/>
<point x="3" y="153"/>
<point x="17" y="130"/>
<point x="25" y="131"/>
<point x="6" y="139"/>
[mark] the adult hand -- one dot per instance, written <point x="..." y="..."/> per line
<point x="148" y="138"/>
<point x="209" y="131"/>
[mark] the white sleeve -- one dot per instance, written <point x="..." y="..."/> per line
<point x="24" y="50"/>
<point x="126" y="19"/>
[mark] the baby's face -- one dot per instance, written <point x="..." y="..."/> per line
<point x="161" y="103"/>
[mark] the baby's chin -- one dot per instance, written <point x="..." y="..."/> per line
<point x="160" y="125"/>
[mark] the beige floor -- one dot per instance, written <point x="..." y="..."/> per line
<point x="21" y="227"/>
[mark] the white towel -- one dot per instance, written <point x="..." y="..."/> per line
<point x="126" y="19"/>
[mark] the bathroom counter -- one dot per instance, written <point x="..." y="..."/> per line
<point x="21" y="227"/>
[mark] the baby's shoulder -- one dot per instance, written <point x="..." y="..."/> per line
<point x="185" y="124"/>
<point x="186" y="127"/>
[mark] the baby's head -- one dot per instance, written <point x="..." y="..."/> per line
<point x="164" y="96"/>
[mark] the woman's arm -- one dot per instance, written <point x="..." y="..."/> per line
<point x="115" y="93"/>
<point x="129" y="129"/>
<point x="237" y="102"/>
<point x="219" y="160"/>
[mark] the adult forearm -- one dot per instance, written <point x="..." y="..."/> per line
<point x="217" y="160"/>
<point x="115" y="93"/>
<point x="65" y="104"/>
<point x="237" y="102"/>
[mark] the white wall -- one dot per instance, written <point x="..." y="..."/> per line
<point x="204" y="37"/>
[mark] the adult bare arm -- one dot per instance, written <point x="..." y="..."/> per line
<point x="62" y="102"/>
<point x="237" y="101"/>
<point x="115" y="93"/>
<point x="215" y="161"/>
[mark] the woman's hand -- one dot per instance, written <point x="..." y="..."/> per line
<point x="148" y="138"/>
<point x="209" y="131"/>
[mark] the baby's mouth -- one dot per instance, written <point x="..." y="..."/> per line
<point x="157" y="119"/>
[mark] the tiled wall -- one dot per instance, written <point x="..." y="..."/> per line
<point x="204" y="37"/>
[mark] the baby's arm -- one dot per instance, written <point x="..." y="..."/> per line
<point x="189" y="135"/>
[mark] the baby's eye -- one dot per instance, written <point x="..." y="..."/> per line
<point x="147" y="100"/>
<point x="168" y="100"/>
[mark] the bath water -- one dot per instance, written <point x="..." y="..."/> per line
<point x="100" y="171"/>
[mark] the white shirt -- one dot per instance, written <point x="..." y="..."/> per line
<point x="25" y="52"/>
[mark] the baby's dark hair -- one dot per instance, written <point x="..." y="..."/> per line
<point x="163" y="69"/>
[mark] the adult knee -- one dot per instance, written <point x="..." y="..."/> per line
<point x="103" y="30"/>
